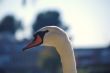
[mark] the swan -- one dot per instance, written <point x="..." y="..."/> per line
<point x="56" y="37"/>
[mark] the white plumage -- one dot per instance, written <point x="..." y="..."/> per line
<point x="57" y="38"/>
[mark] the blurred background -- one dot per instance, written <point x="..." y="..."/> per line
<point x="86" y="22"/>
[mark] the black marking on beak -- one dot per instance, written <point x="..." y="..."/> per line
<point x="38" y="39"/>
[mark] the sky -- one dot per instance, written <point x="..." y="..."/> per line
<point x="89" y="20"/>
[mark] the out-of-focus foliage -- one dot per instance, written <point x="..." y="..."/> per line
<point x="9" y="24"/>
<point x="48" y="18"/>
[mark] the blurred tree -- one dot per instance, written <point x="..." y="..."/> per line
<point x="48" y="18"/>
<point x="8" y="27"/>
<point x="8" y="24"/>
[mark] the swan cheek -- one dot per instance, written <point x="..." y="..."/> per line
<point x="49" y="41"/>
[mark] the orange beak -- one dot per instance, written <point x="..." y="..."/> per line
<point x="36" y="42"/>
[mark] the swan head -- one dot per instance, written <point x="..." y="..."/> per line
<point x="47" y="36"/>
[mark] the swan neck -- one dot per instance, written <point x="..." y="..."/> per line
<point x="67" y="57"/>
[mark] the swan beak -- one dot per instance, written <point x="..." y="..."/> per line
<point x="36" y="42"/>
